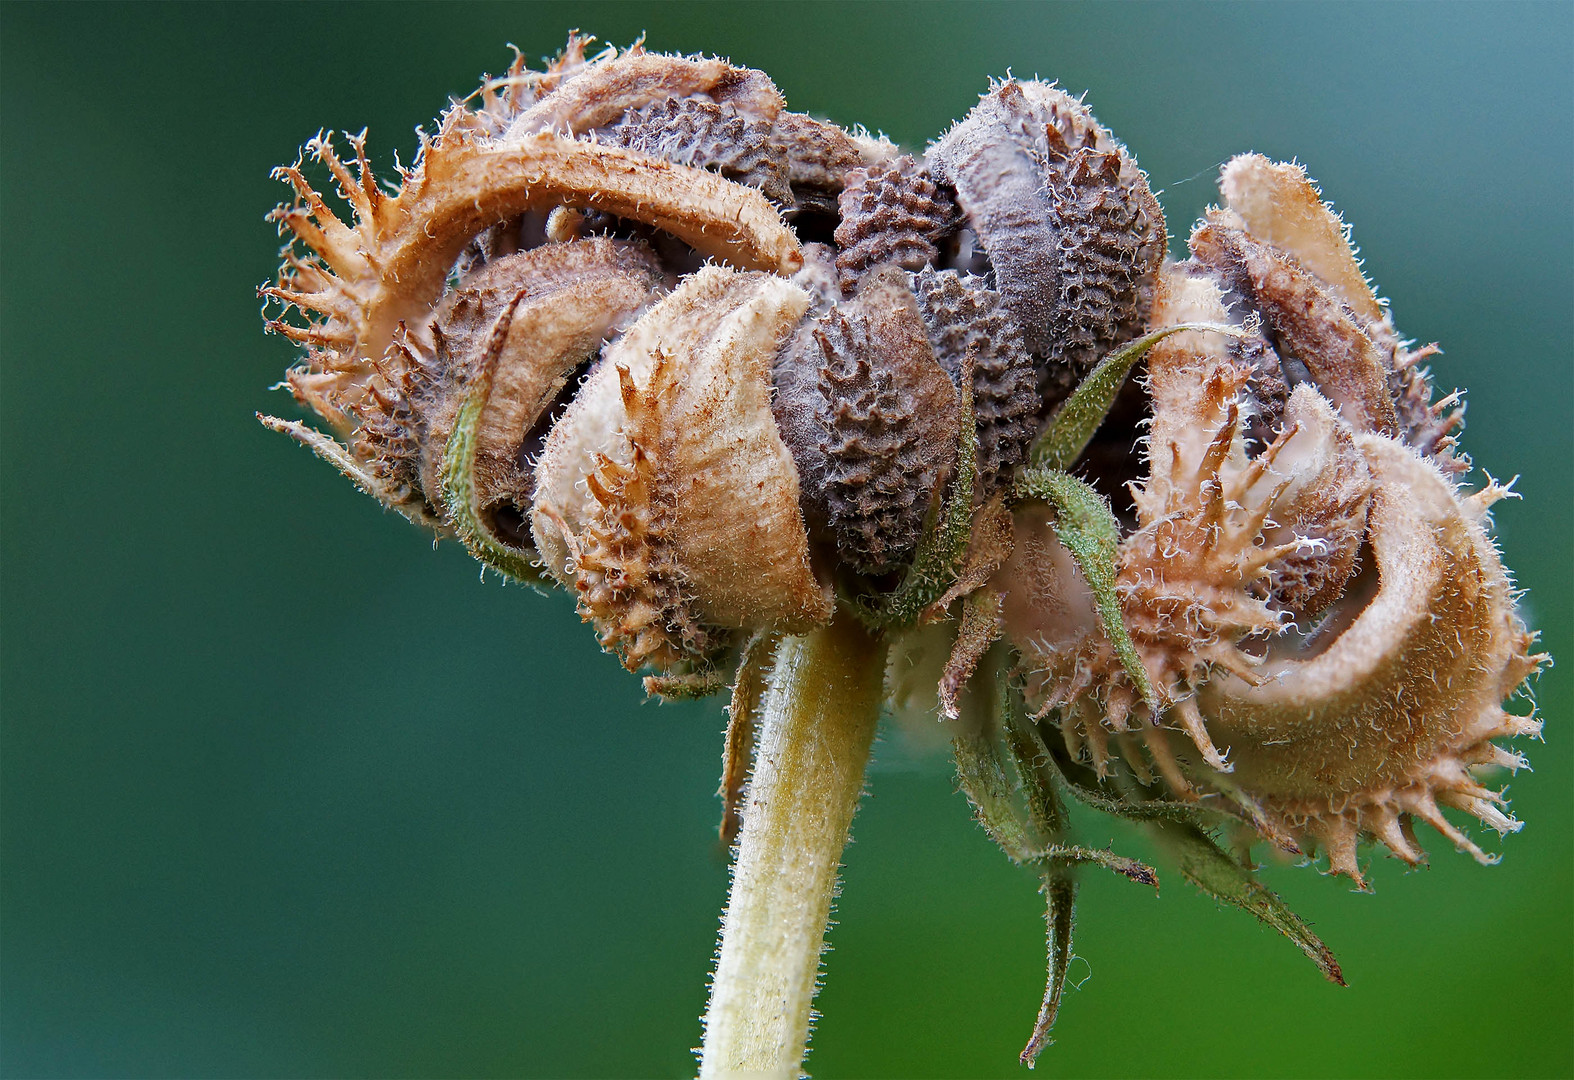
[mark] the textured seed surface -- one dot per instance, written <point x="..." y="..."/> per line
<point x="1074" y="236"/>
<point x="702" y="134"/>
<point x="967" y="320"/>
<point x="892" y="212"/>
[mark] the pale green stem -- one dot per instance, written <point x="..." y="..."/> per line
<point x="817" y="724"/>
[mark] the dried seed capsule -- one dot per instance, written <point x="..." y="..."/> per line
<point x="702" y="134"/>
<point x="542" y="313"/>
<point x="1074" y="236"/>
<point x="966" y="320"/>
<point x="1310" y="329"/>
<point x="889" y="415"/>
<point x="576" y="295"/>
<point x="892" y="212"/>
<point x="665" y="495"/>
<point x="391" y="266"/>
<point x="1379" y="713"/>
<point x="1281" y="207"/>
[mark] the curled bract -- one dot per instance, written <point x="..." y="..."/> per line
<point x="665" y="495"/>
<point x="1329" y="629"/>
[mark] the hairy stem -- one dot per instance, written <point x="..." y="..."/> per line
<point x="817" y="723"/>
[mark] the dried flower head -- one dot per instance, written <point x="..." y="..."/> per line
<point x="597" y="336"/>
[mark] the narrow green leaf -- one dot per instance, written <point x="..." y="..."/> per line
<point x="1060" y="895"/>
<point x="458" y="469"/>
<point x="1207" y="866"/>
<point x="458" y="479"/>
<point x="1132" y="809"/>
<point x="1028" y="756"/>
<point x="1074" y="423"/>
<point x="983" y="781"/>
<point x="1067" y="854"/>
<point x="1086" y="525"/>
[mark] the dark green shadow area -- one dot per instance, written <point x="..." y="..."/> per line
<point x="283" y="792"/>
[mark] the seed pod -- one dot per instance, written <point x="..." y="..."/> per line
<point x="1073" y="235"/>
<point x="571" y="297"/>
<point x="892" y="212"/>
<point x="1310" y="328"/>
<point x="965" y="321"/>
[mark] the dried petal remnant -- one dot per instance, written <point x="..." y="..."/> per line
<point x="1377" y="709"/>
<point x="682" y="401"/>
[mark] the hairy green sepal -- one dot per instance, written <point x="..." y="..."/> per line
<point x="458" y="479"/>
<point x="1085" y="524"/>
<point x="1073" y="425"/>
<point x="1032" y="829"/>
<point x="1209" y="867"/>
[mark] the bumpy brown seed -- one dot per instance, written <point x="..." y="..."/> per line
<point x="967" y="322"/>
<point x="889" y="415"/>
<point x="892" y="212"/>
<point x="706" y="135"/>
<point x="1073" y="235"/>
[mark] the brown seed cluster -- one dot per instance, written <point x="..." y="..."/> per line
<point x="631" y="327"/>
<point x="552" y="238"/>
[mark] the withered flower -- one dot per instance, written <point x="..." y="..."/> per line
<point x="789" y="410"/>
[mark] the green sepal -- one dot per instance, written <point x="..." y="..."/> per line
<point x="1092" y="796"/>
<point x="983" y="780"/>
<point x="457" y="475"/>
<point x="1074" y="423"/>
<point x="1037" y="840"/>
<point x="1213" y="870"/>
<point x="1085" y="524"/>
<point x="458" y="480"/>
<point x="941" y="550"/>
<point x="1060" y="897"/>
<point x="1020" y="831"/>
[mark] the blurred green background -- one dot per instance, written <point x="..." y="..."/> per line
<point x="288" y="793"/>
